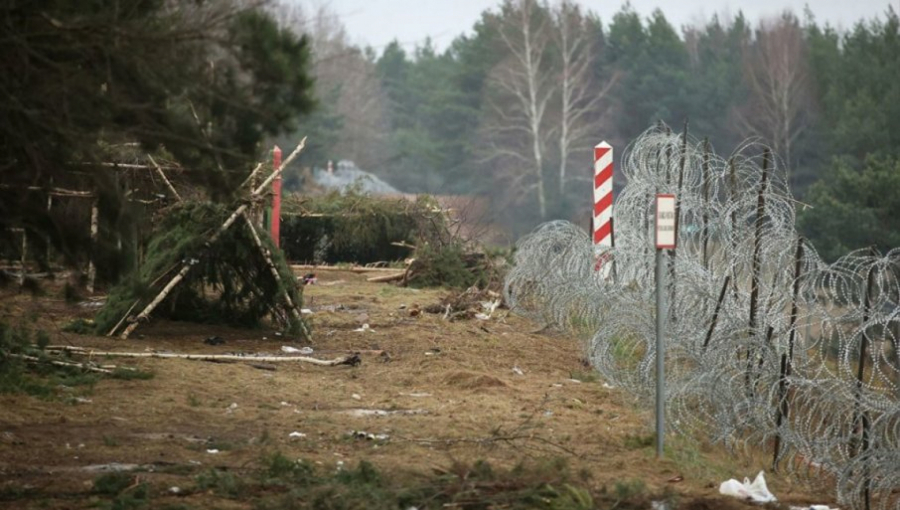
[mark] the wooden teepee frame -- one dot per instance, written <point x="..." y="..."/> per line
<point x="240" y="211"/>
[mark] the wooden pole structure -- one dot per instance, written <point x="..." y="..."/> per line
<point x="673" y="282"/>
<point x="145" y="313"/>
<point x="165" y="179"/>
<point x="24" y="256"/>
<point x="860" y="416"/>
<point x="715" y="317"/>
<point x="276" y="199"/>
<point x="95" y="229"/>
<point x="295" y="313"/>
<point x="787" y="359"/>
<point x="755" y="263"/>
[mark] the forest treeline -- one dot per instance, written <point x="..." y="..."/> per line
<point x="511" y="108"/>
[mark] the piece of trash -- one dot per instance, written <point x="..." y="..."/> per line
<point x="174" y="490"/>
<point x="756" y="492"/>
<point x="359" y="413"/>
<point x="813" y="507"/>
<point x="518" y="371"/>
<point x="306" y="350"/>
<point x="285" y="404"/>
<point x="356" y="396"/>
<point x="212" y="450"/>
<point x="416" y="395"/>
<point x="659" y="505"/>
<point x="362" y="434"/>
<point x="482" y="317"/>
<point x="575" y="381"/>
<point x="306" y="311"/>
<point x="214" y="340"/>
<point x="290" y="350"/>
<point x="297" y="434"/>
<point x="676" y="479"/>
<point x="82" y="400"/>
<point x="433" y="351"/>
<point x="608" y="386"/>
<point x="278" y="333"/>
<point x="402" y="307"/>
<point x="364" y="328"/>
<point x="309" y="279"/>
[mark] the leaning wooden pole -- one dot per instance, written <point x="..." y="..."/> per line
<point x="186" y="268"/>
<point x="267" y="255"/>
<point x="715" y="317"/>
<point x="787" y="359"/>
<point x="165" y="179"/>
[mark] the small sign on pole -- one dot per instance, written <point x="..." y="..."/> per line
<point x="665" y="222"/>
<point x="666" y="239"/>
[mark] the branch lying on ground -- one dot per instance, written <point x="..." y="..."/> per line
<point x="352" y="359"/>
<point x="84" y="366"/>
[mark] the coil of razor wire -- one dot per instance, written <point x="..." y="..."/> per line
<point x="768" y="346"/>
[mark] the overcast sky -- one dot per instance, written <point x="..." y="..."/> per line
<point x="377" y="22"/>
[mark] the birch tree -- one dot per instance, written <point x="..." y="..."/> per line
<point x="523" y="87"/>
<point x="777" y="76"/>
<point x="580" y="96"/>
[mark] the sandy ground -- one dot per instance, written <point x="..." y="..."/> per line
<point x="464" y="390"/>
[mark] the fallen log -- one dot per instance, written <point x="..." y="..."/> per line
<point x="352" y="359"/>
<point x="352" y="269"/>
<point x="33" y="359"/>
<point x="386" y="278"/>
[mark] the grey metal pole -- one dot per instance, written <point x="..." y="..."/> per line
<point x="661" y="314"/>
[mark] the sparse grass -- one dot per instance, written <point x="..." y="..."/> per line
<point x="80" y="327"/>
<point x="220" y="482"/>
<point x="584" y="376"/>
<point x="40" y="378"/>
<point x="127" y="374"/>
<point x="638" y="441"/>
<point x="542" y="485"/>
<point x="193" y="401"/>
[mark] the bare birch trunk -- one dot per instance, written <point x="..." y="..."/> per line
<point x="95" y="229"/>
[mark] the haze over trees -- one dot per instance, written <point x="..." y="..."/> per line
<point x="511" y="109"/>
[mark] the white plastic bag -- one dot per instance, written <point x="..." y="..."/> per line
<point x="757" y="491"/>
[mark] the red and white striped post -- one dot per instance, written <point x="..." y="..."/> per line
<point x="603" y="202"/>
<point x="275" y="228"/>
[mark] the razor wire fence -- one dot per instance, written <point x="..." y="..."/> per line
<point x="768" y="345"/>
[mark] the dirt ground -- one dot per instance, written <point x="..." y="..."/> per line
<point x="471" y="389"/>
